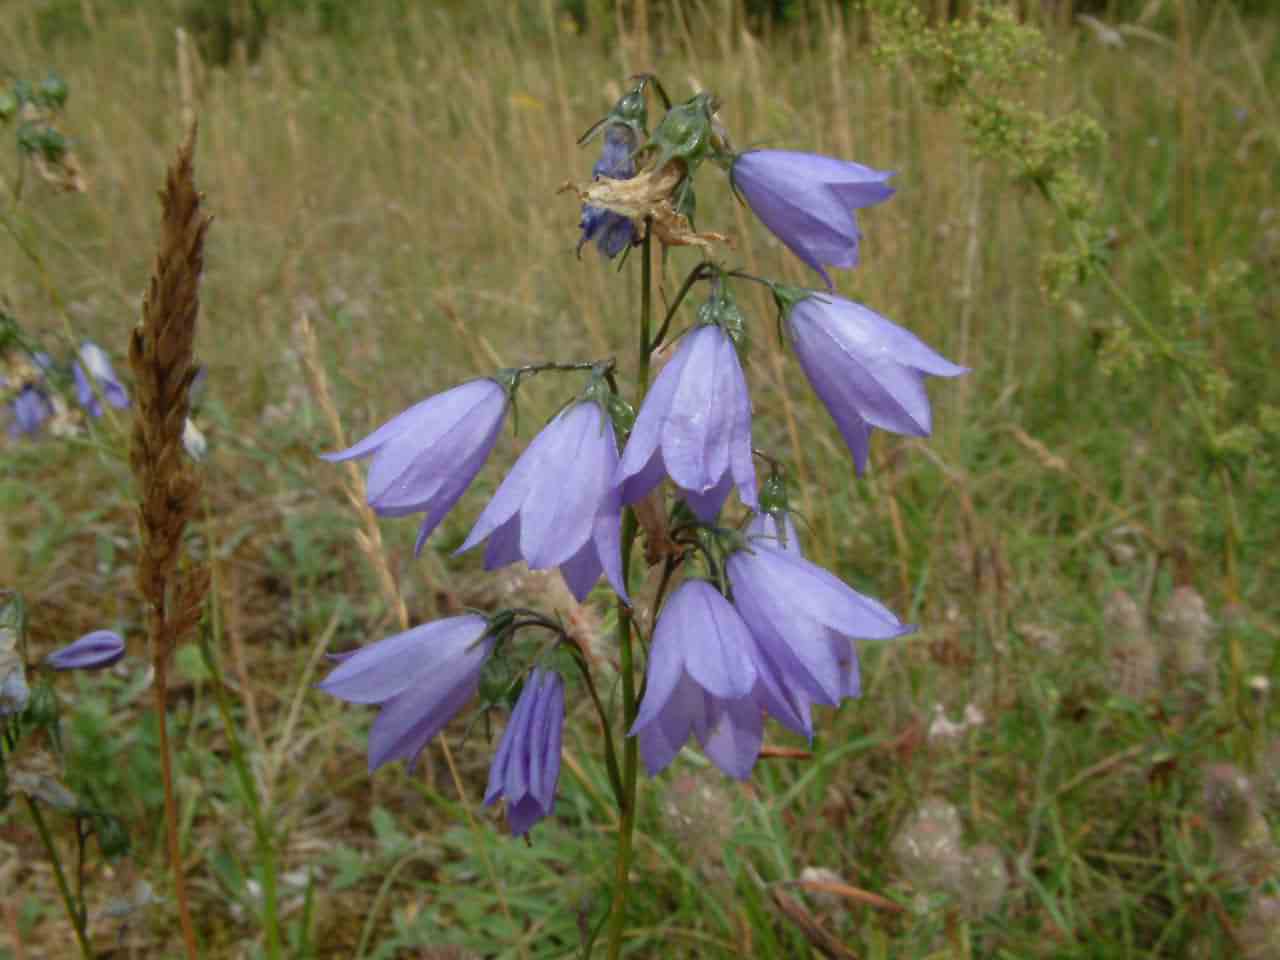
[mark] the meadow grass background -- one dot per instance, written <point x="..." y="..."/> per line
<point x="397" y="184"/>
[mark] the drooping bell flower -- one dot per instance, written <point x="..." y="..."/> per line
<point x="867" y="371"/>
<point x="526" y="767"/>
<point x="808" y="202"/>
<point x="422" y="678"/>
<point x="95" y="650"/>
<point x="29" y="409"/>
<point x="558" y="506"/>
<point x="425" y="458"/>
<point x="612" y="232"/>
<point x="94" y="363"/>
<point x="700" y="680"/>
<point x="804" y="621"/>
<point x="694" y="427"/>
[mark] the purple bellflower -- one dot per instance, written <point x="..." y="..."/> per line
<point x="803" y="620"/>
<point x="30" y="409"/>
<point x="611" y="231"/>
<point x="425" y="458"/>
<point x="95" y="361"/>
<point x="421" y="678"/>
<point x="808" y="202"/>
<point x="700" y="679"/>
<point x="527" y="765"/>
<point x="867" y="371"/>
<point x="558" y="506"/>
<point x="695" y="427"/>
<point x="101" y="648"/>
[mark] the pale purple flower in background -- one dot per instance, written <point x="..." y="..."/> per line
<point x="422" y="678"/>
<point x="94" y="360"/>
<point x="700" y="678"/>
<point x="867" y="371"/>
<point x="425" y="458"/>
<point x="558" y="506"/>
<point x="695" y="427"/>
<point x="101" y="648"/>
<point x="804" y="621"/>
<point x="527" y="765"/>
<point x="808" y="201"/>
<point x="29" y="409"/>
<point x="611" y="231"/>
<point x="765" y="526"/>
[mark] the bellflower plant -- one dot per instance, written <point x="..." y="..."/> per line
<point x="743" y="627"/>
<point x="526" y="765"/>
<point x="425" y="458"/>
<point x="557" y="507"/>
<point x="694" y="427"/>
<point x="95" y="650"/>
<point x="808" y="202"/>
<point x="422" y="678"/>
<point x="867" y="371"/>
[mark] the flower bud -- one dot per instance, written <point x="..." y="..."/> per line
<point x="95" y="650"/>
<point x="684" y="134"/>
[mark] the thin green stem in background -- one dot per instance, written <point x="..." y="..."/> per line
<point x="263" y="837"/>
<point x="630" y="758"/>
<point x="68" y="901"/>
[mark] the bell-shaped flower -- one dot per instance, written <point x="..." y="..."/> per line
<point x="612" y="232"/>
<point x="101" y="648"/>
<point x="527" y="765"/>
<point x="700" y="680"/>
<point x="808" y="201"/>
<point x="804" y="621"/>
<point x="558" y="506"/>
<point x="694" y="427"/>
<point x="422" y="678"/>
<point x="867" y="371"/>
<point x="425" y="458"/>
<point x="95" y="361"/>
<point x="29" y="409"/>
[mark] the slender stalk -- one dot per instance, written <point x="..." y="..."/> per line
<point x="73" y="914"/>
<point x="262" y="832"/>
<point x="630" y="757"/>
<point x="161" y="688"/>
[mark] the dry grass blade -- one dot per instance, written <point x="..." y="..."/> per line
<point x="161" y="355"/>
<point x="814" y="932"/>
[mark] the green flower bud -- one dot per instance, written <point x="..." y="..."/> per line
<point x="684" y="133"/>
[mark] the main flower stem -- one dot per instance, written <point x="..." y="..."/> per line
<point x="630" y="755"/>
<point x="74" y="913"/>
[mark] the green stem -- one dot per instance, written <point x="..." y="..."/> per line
<point x="261" y="828"/>
<point x="630" y="758"/>
<point x="73" y="914"/>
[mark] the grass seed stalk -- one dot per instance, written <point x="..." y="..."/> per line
<point x="161" y="355"/>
